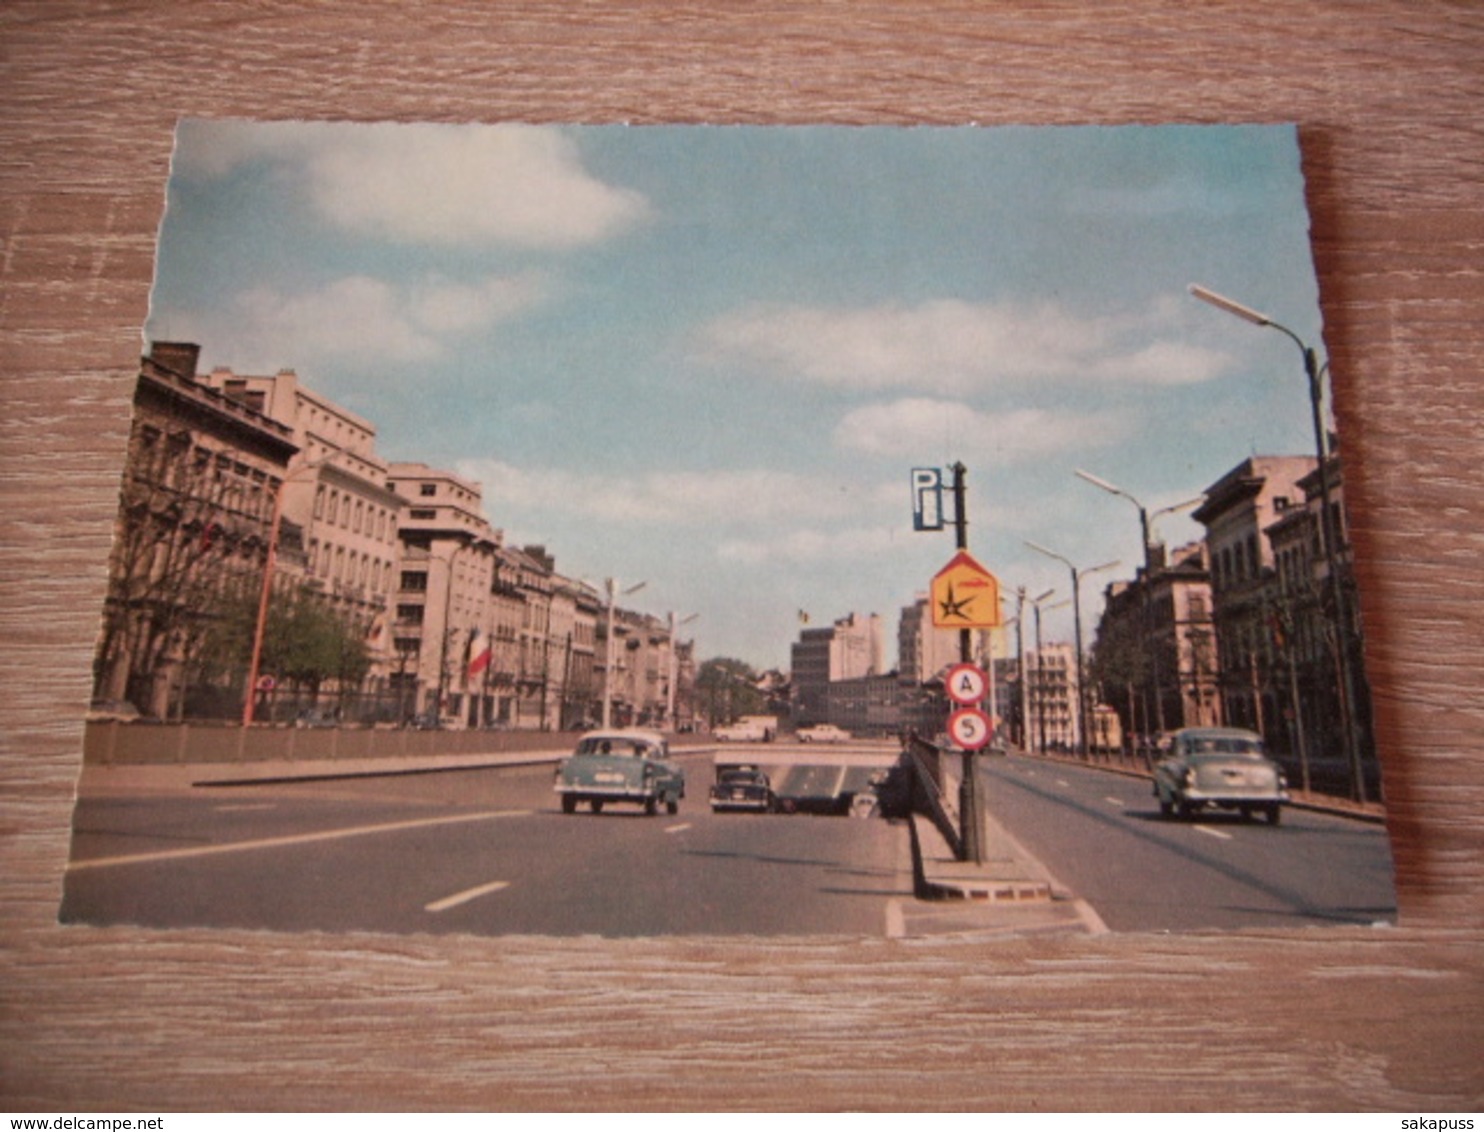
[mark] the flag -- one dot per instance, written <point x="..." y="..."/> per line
<point x="209" y="533"/>
<point x="479" y="654"/>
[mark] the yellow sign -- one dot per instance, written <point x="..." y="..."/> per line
<point x="965" y="595"/>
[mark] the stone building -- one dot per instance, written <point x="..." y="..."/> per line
<point x="335" y="493"/>
<point x="201" y="475"/>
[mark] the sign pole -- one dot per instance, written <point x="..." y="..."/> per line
<point x="970" y="817"/>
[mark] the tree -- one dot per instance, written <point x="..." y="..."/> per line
<point x="729" y="688"/>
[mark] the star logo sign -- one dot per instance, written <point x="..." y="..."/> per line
<point x="951" y="607"/>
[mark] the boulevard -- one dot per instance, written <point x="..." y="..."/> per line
<point x="489" y="852"/>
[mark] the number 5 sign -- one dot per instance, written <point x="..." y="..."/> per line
<point x="969" y="728"/>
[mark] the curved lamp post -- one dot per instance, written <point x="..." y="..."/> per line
<point x="610" y="658"/>
<point x="1077" y="576"/>
<point x="269" y="565"/>
<point x="1328" y="535"/>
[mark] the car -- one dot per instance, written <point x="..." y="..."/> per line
<point x="1222" y="767"/>
<point x="316" y="718"/>
<point x="822" y="733"/>
<point x="625" y="765"/>
<point x="742" y="788"/>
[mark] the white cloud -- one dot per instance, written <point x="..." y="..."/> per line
<point x="440" y="185"/>
<point x="921" y="427"/>
<point x="733" y="498"/>
<point x="952" y="347"/>
<point x="353" y="319"/>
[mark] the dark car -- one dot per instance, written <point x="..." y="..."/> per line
<point x="1222" y="767"/>
<point x="742" y="788"/>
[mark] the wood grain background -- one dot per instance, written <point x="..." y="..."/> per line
<point x="1388" y="95"/>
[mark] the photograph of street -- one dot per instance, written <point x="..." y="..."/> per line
<point x="687" y="530"/>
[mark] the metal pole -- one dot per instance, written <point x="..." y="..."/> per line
<point x="971" y="820"/>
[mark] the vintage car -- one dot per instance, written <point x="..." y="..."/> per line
<point x="1222" y="767"/>
<point x="822" y="733"/>
<point x="620" y="766"/>
<point x="742" y="788"/>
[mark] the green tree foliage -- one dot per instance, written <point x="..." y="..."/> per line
<point x="729" y="688"/>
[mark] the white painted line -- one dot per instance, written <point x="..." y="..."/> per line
<point x="242" y="807"/>
<point x="292" y="839"/>
<point x="1209" y="832"/>
<point x="464" y="897"/>
<point x="681" y="828"/>
<point x="1062" y="782"/>
<point x="1112" y="801"/>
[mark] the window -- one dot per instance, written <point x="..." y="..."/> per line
<point x="415" y="581"/>
<point x="423" y="513"/>
<point x="427" y="490"/>
<point x="410" y="614"/>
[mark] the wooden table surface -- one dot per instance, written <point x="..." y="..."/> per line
<point x="1388" y="97"/>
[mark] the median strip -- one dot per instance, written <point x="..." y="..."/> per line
<point x="281" y="842"/>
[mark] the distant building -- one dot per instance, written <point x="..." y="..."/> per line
<point x="445" y="596"/>
<point x="849" y="649"/>
<point x="1155" y="660"/>
<point x="924" y="651"/>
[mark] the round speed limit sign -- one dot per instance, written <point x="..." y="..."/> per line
<point x="969" y="728"/>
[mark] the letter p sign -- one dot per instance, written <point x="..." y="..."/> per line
<point x="927" y="499"/>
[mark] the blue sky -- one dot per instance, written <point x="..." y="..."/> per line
<point x="707" y="358"/>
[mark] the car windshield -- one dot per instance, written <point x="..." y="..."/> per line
<point x="611" y="745"/>
<point x="741" y="777"/>
<point x="1225" y="745"/>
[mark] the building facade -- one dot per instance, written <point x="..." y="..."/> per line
<point x="191" y="540"/>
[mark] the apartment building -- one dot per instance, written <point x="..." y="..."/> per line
<point x="195" y="518"/>
<point x="848" y="649"/>
<point x="336" y="494"/>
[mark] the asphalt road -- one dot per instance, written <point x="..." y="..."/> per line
<point x="1102" y="836"/>
<point x="488" y="852"/>
<point x="485" y="852"/>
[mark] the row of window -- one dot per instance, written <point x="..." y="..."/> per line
<point x="337" y="564"/>
<point x="354" y="514"/>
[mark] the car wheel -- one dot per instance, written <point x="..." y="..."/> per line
<point x="1166" y="807"/>
<point x="569" y="803"/>
<point x="651" y="806"/>
<point x="1184" y="810"/>
<point x="1275" y="814"/>
<point x="673" y="806"/>
<point x="597" y="804"/>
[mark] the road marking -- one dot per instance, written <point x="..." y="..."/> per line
<point x="1112" y="801"/>
<point x="1062" y="782"/>
<point x="464" y="897"/>
<point x="243" y="807"/>
<point x="681" y="828"/>
<point x="292" y="839"/>
<point x="1209" y="832"/>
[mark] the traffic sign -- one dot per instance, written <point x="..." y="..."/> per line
<point x="969" y="728"/>
<point x="965" y="595"/>
<point x="966" y="684"/>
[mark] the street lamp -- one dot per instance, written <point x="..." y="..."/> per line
<point x="674" y="666"/>
<point x="270" y="563"/>
<point x="1035" y="603"/>
<point x="1146" y="525"/>
<point x="1146" y="517"/>
<point x="1077" y="575"/>
<point x="609" y="657"/>
<point x="1328" y="535"/>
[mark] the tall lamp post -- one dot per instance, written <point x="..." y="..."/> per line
<point x="610" y="656"/>
<point x="1077" y="576"/>
<point x="270" y="563"/>
<point x="1146" y="527"/>
<point x="1328" y="534"/>
<point x="1025" y="684"/>
<point x="674" y="667"/>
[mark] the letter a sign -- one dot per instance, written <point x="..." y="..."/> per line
<point x="965" y="596"/>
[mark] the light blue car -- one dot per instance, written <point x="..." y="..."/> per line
<point x="620" y="766"/>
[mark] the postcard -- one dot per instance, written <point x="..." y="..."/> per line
<point x="732" y="531"/>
